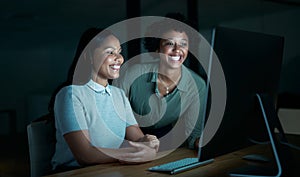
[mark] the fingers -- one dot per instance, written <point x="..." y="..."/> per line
<point x="155" y="144"/>
<point x="143" y="153"/>
<point x="151" y="141"/>
<point x="147" y="138"/>
<point x="150" y="137"/>
<point x="136" y="144"/>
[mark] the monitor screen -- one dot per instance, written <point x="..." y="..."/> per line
<point x="251" y="63"/>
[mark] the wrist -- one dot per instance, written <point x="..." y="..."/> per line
<point x="141" y="139"/>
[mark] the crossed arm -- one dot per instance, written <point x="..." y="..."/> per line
<point x="142" y="148"/>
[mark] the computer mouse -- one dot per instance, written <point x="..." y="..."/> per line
<point x="256" y="157"/>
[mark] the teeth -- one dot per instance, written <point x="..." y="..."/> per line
<point x="176" y="58"/>
<point x="116" y="66"/>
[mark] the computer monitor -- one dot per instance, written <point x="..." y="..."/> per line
<point x="251" y="64"/>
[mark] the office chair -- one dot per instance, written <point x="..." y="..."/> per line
<point x="41" y="141"/>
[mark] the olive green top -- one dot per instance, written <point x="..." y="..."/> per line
<point x="180" y="109"/>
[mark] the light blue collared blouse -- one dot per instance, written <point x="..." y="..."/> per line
<point x="104" y="111"/>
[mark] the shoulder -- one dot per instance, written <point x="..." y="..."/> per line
<point x="196" y="77"/>
<point x="71" y="90"/>
<point x="65" y="91"/>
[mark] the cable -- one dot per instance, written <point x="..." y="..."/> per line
<point x="258" y="142"/>
<point x="290" y="145"/>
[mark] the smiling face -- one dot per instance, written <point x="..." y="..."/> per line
<point x="107" y="60"/>
<point x="173" y="48"/>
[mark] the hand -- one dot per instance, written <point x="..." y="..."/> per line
<point x="137" y="153"/>
<point x="151" y="141"/>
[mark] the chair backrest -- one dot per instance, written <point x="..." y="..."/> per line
<point x="41" y="141"/>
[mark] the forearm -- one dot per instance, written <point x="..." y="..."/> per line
<point x="136" y="153"/>
<point x="193" y="130"/>
<point x="134" y="133"/>
<point x="95" y="156"/>
<point x="194" y="124"/>
<point x="84" y="152"/>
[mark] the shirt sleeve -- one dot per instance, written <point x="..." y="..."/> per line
<point x="194" y="124"/>
<point x="69" y="112"/>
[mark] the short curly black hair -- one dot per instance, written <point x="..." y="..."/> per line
<point x="151" y="44"/>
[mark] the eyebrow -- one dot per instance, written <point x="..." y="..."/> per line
<point x="171" y="39"/>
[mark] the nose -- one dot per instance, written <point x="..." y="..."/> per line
<point x="119" y="58"/>
<point x="176" y="47"/>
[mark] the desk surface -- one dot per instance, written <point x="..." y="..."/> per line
<point x="219" y="167"/>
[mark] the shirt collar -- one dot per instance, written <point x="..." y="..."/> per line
<point x="99" y="88"/>
<point x="183" y="80"/>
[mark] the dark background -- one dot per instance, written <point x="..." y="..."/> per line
<point x="38" y="40"/>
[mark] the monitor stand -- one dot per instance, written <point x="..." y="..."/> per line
<point x="283" y="158"/>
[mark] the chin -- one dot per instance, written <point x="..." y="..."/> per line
<point x="175" y="64"/>
<point x="114" y="76"/>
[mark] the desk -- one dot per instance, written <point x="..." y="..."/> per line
<point x="219" y="167"/>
